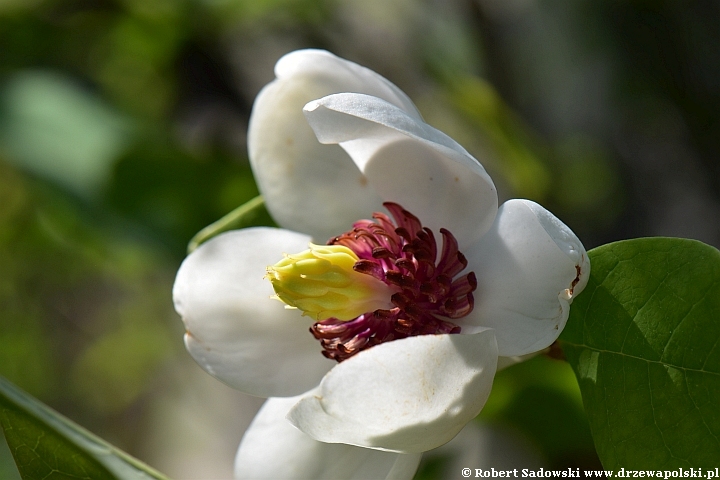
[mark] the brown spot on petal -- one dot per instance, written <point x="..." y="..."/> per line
<point x="578" y="271"/>
<point x="190" y="334"/>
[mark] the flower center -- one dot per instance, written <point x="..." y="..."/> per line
<point x="404" y="285"/>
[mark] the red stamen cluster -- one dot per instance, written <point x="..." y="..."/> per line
<point x="402" y="254"/>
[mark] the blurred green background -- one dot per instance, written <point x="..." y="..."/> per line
<point x="122" y="133"/>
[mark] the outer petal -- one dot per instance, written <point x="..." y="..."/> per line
<point x="273" y="449"/>
<point x="529" y="266"/>
<point x="409" y="395"/>
<point x="235" y="330"/>
<point x="409" y="162"/>
<point x="349" y="75"/>
<point x="309" y="187"/>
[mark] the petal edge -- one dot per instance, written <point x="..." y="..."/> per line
<point x="409" y="403"/>
<point x="235" y="331"/>
<point x="529" y="266"/>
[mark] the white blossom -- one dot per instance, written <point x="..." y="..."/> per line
<point x="330" y="142"/>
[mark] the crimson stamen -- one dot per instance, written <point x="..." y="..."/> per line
<point x="404" y="254"/>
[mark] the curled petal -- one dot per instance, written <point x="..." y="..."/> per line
<point x="234" y="330"/>
<point x="274" y="449"/>
<point x="350" y="76"/>
<point x="409" y="162"/>
<point x="406" y="396"/>
<point x="310" y="187"/>
<point x="529" y="266"/>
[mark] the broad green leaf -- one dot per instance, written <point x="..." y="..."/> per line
<point x="251" y="213"/>
<point x="644" y="342"/>
<point x="47" y="445"/>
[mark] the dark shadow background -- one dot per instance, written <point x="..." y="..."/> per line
<point x="122" y="133"/>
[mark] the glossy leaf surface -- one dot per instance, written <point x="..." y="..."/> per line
<point x="47" y="445"/>
<point x="644" y="342"/>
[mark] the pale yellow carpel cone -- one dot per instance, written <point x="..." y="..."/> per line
<point x="322" y="283"/>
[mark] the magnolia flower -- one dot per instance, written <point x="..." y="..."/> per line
<point x="423" y="287"/>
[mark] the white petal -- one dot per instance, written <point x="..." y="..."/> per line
<point x="529" y="266"/>
<point x="235" y="330"/>
<point x="409" y="162"/>
<point x="310" y="187"/>
<point x="350" y="75"/>
<point x="408" y="395"/>
<point x="274" y="449"/>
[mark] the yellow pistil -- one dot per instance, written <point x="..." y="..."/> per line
<point x="322" y="283"/>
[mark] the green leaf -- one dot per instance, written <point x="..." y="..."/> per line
<point x="47" y="445"/>
<point x="249" y="214"/>
<point x="644" y="342"/>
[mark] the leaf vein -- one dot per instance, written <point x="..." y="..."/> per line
<point x="599" y="350"/>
